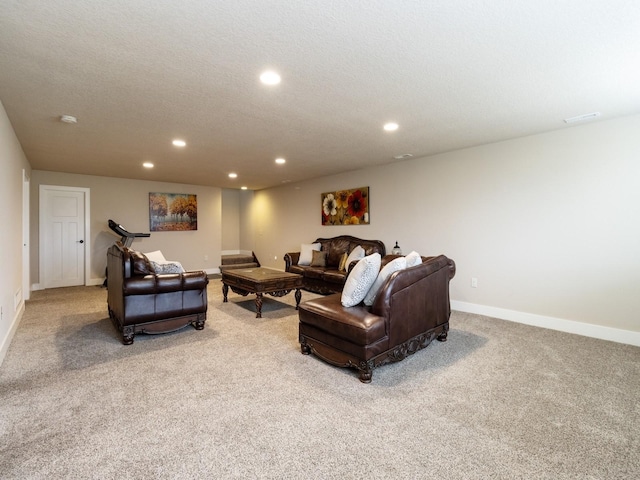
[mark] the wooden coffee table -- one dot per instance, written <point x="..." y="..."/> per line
<point x="261" y="280"/>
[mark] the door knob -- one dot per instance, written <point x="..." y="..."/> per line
<point x="80" y="241"/>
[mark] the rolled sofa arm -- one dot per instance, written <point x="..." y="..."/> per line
<point x="290" y="258"/>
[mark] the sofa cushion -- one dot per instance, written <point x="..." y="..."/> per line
<point x="306" y="253"/>
<point x="413" y="259"/>
<point x="314" y="272"/>
<point x="334" y="276"/>
<point x="354" y="325"/>
<point x="360" y="280"/>
<point x="393" y="266"/>
<point x="337" y="246"/>
<point x="318" y="258"/>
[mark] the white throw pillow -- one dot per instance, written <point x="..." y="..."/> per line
<point x="306" y="253"/>
<point x="360" y="280"/>
<point x="413" y="259"/>
<point x="155" y="256"/>
<point x="393" y="266"/>
<point x="356" y="254"/>
<point x="167" y="267"/>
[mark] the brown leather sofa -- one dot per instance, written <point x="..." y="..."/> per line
<point x="410" y="310"/>
<point x="141" y="301"/>
<point x="330" y="279"/>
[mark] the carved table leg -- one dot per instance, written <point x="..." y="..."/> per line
<point x="442" y="337"/>
<point x="225" y="291"/>
<point x="305" y="349"/>
<point x="258" y="305"/>
<point x="298" y="297"/>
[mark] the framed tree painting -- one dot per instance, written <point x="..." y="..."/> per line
<point x="346" y="207"/>
<point x="172" y="212"/>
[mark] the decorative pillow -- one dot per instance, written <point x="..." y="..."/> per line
<point x="167" y="267"/>
<point x="413" y="259"/>
<point x="360" y="280"/>
<point x="141" y="264"/>
<point x="306" y="254"/>
<point x="356" y="254"/>
<point x="343" y="262"/>
<point x="318" y="258"/>
<point x="156" y="256"/>
<point x="394" y="265"/>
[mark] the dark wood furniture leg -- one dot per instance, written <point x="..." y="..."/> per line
<point x="258" y="305"/>
<point x="298" y="297"/>
<point x="225" y="291"/>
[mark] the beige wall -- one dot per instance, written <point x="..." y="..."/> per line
<point x="548" y="224"/>
<point x="127" y="202"/>
<point x="13" y="163"/>
<point x="230" y="226"/>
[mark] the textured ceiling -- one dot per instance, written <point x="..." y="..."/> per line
<point x="452" y="73"/>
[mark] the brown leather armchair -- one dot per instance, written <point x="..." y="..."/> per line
<point x="410" y="310"/>
<point x="141" y="301"/>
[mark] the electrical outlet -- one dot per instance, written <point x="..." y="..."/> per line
<point x="474" y="282"/>
<point x="206" y="257"/>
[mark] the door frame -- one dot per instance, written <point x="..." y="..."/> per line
<point x="87" y="229"/>
<point x="26" y="243"/>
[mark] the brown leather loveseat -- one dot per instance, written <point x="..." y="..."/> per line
<point x="410" y="310"/>
<point x="330" y="278"/>
<point x="141" y="301"/>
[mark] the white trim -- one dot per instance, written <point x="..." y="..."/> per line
<point x="569" y="326"/>
<point x="4" y="348"/>
<point x="26" y="214"/>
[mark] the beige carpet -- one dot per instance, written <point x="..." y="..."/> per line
<point x="239" y="400"/>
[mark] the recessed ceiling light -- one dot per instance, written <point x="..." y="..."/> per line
<point x="243" y="188"/>
<point x="270" y="78"/>
<point x="179" y="143"/>
<point x="68" y="119"/>
<point x="403" y="156"/>
<point x="391" y="127"/>
<point x="147" y="165"/>
<point x="280" y="161"/>
<point x="233" y="175"/>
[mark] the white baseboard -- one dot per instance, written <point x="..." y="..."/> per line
<point x="212" y="271"/>
<point x="569" y="326"/>
<point x="6" y="341"/>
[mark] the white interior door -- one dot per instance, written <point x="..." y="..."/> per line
<point x="62" y="236"/>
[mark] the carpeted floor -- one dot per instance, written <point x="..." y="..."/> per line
<point x="239" y="400"/>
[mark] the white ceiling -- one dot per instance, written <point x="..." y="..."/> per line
<point x="452" y="73"/>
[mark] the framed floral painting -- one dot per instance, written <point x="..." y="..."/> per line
<point x="346" y="207"/>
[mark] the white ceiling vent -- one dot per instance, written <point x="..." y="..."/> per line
<point x="582" y="118"/>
